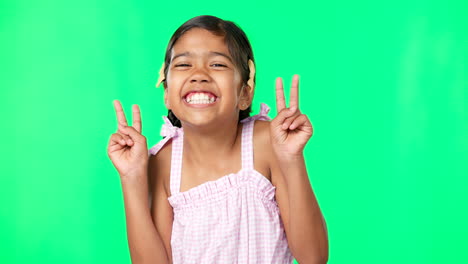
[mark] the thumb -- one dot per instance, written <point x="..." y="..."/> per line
<point x="132" y="133"/>
<point x="283" y="115"/>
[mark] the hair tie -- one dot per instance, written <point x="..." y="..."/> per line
<point x="161" y="75"/>
<point x="250" y="82"/>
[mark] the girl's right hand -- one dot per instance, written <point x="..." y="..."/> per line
<point x="127" y="147"/>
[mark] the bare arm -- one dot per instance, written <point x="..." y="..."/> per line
<point x="301" y="214"/>
<point x="290" y="130"/>
<point x="128" y="152"/>
<point x="144" y="241"/>
<point x="161" y="210"/>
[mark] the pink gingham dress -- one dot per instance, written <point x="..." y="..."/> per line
<point x="234" y="219"/>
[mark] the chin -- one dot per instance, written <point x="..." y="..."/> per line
<point x="199" y="120"/>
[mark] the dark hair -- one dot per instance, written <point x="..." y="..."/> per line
<point x="236" y="41"/>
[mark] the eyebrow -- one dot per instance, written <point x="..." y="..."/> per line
<point x="211" y="54"/>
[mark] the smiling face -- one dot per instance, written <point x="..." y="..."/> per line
<point x="203" y="85"/>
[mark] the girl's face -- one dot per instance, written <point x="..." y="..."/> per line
<point x="203" y="84"/>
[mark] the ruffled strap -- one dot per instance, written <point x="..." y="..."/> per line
<point x="263" y="115"/>
<point x="168" y="131"/>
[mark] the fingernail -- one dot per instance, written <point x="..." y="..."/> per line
<point x="284" y="126"/>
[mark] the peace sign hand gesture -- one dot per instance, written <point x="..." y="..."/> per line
<point x="290" y="130"/>
<point x="127" y="147"/>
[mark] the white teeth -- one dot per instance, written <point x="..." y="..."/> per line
<point x="200" y="101"/>
<point x="200" y="98"/>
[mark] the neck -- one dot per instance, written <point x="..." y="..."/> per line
<point x="211" y="143"/>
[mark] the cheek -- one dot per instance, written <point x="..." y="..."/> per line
<point x="172" y="95"/>
<point x="173" y="86"/>
<point x="172" y="79"/>
<point x="229" y="80"/>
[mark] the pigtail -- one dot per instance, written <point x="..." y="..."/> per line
<point x="173" y="118"/>
<point x="244" y="113"/>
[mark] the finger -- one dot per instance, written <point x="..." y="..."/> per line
<point x="116" y="143"/>
<point x="282" y="116"/>
<point x="294" y="93"/>
<point x="136" y="122"/>
<point x="115" y="139"/>
<point x="120" y="113"/>
<point x="280" y="102"/>
<point x="121" y="139"/>
<point x="299" y="121"/>
<point x="126" y="140"/>
<point x="288" y="121"/>
<point x="115" y="147"/>
<point x="132" y="134"/>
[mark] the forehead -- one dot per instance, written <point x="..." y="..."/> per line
<point x="200" y="41"/>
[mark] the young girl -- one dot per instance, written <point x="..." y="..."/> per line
<point x="223" y="187"/>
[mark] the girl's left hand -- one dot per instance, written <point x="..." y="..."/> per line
<point x="290" y="130"/>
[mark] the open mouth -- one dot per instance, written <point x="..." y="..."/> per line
<point x="200" y="98"/>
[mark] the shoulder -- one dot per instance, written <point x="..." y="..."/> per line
<point x="263" y="137"/>
<point x="163" y="154"/>
<point x="262" y="132"/>
<point x="159" y="167"/>
<point x="262" y="146"/>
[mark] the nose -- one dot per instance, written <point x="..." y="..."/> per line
<point x="200" y="75"/>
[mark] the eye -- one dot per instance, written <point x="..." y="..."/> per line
<point x="182" y="65"/>
<point x="218" y="65"/>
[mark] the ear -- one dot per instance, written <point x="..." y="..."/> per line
<point x="245" y="97"/>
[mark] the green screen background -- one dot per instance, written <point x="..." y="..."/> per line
<point x="384" y="84"/>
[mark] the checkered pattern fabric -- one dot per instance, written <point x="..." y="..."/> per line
<point x="234" y="219"/>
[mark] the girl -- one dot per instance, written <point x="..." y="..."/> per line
<point x="223" y="187"/>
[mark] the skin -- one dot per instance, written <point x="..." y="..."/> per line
<point x="213" y="132"/>
<point x="212" y="135"/>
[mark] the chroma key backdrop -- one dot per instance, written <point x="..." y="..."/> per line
<point x="384" y="83"/>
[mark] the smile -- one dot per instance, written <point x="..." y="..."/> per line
<point x="197" y="98"/>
